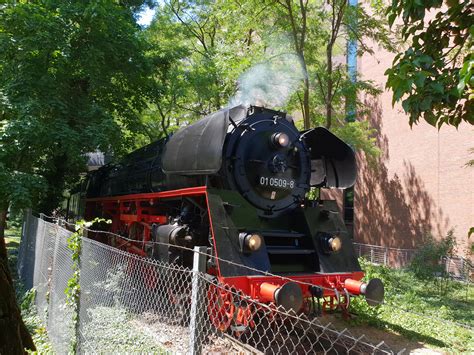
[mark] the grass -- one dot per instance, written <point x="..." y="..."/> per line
<point x="112" y="330"/>
<point x="436" y="312"/>
<point x="26" y="297"/>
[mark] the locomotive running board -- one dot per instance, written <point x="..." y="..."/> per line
<point x="190" y="191"/>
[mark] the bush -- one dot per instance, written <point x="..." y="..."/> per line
<point x="426" y="262"/>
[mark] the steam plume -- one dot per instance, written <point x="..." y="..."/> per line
<point x="270" y="83"/>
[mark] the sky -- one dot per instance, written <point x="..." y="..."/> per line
<point x="146" y="16"/>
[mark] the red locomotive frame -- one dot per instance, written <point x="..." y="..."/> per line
<point x="127" y="213"/>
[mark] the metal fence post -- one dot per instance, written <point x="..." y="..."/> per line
<point x="197" y="300"/>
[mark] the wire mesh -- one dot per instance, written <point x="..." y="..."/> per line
<point x="26" y="253"/>
<point x="120" y="294"/>
<point x="134" y="304"/>
<point x="455" y="267"/>
<point x="270" y="329"/>
<point x="43" y="260"/>
<point x="393" y="257"/>
<point x="458" y="268"/>
<point x="60" y="316"/>
<point x="45" y="263"/>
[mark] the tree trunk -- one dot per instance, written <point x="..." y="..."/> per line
<point x="14" y="336"/>
<point x="329" y="86"/>
<point x="305" y="104"/>
<point x="306" y="119"/>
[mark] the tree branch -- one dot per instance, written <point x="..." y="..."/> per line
<point x="303" y="7"/>
<point x="321" y="87"/>
<point x="294" y="30"/>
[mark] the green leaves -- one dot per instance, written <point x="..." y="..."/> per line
<point x="439" y="61"/>
<point x="73" y="75"/>
<point x="466" y="82"/>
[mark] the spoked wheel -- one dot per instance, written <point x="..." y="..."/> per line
<point x="221" y="306"/>
<point x="244" y="319"/>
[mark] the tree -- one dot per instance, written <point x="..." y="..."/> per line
<point x="318" y="32"/>
<point x="73" y="77"/>
<point x="224" y="38"/>
<point x="315" y="25"/>
<point x="165" y="112"/>
<point x="211" y="47"/>
<point x="434" y="78"/>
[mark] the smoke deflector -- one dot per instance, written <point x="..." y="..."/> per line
<point x="333" y="162"/>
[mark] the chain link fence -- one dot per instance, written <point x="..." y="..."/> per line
<point x="393" y="257"/>
<point x="45" y="263"/>
<point x="455" y="267"/>
<point x="132" y="304"/>
<point x="458" y="268"/>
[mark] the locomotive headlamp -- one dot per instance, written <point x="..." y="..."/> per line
<point x="335" y="243"/>
<point x="330" y="243"/>
<point x="253" y="242"/>
<point x="250" y="242"/>
<point x="280" y="139"/>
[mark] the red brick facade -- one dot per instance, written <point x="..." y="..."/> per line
<point x="421" y="184"/>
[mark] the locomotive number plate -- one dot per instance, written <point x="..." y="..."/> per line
<point x="277" y="182"/>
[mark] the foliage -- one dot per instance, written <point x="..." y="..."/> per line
<point x="218" y="41"/>
<point x="361" y="136"/>
<point x="426" y="263"/>
<point x="436" y="312"/>
<point x="73" y="289"/>
<point x="34" y="324"/>
<point x="211" y="48"/>
<point x="112" y="330"/>
<point x="433" y="77"/>
<point x="73" y="75"/>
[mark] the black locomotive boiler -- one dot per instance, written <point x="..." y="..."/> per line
<point x="236" y="182"/>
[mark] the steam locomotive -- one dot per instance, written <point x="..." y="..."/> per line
<point x="236" y="182"/>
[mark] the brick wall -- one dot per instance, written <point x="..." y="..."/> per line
<point x="420" y="184"/>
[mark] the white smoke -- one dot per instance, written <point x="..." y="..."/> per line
<point x="270" y="83"/>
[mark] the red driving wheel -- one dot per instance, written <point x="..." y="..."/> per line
<point x="244" y="320"/>
<point x="221" y="307"/>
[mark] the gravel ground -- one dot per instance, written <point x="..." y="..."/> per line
<point x="175" y="338"/>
